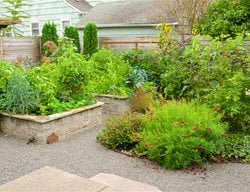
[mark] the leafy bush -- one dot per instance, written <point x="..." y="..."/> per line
<point x="231" y="100"/>
<point x="121" y="132"/>
<point x="73" y="74"/>
<point x="147" y="60"/>
<point x="237" y="146"/>
<point x="44" y="81"/>
<point x="226" y="18"/>
<point x="19" y="97"/>
<point x="137" y="78"/>
<point x="179" y="134"/>
<point x="90" y="40"/>
<point x="72" y="33"/>
<point x="49" y="33"/>
<point x="210" y="73"/>
<point x="6" y="71"/>
<point x="110" y="73"/>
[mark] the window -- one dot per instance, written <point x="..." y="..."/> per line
<point x="35" y="29"/>
<point x="65" y="24"/>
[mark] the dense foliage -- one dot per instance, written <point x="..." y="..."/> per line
<point x="109" y="73"/>
<point x="72" y="33"/>
<point x="49" y="33"/>
<point x="226" y="18"/>
<point x="217" y="73"/>
<point x="180" y="131"/>
<point x="179" y="134"/>
<point x="50" y="88"/>
<point x="175" y="134"/>
<point x="90" y="40"/>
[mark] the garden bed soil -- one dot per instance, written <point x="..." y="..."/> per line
<point x="46" y="129"/>
<point x="114" y="105"/>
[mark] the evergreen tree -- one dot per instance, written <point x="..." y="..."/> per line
<point x="49" y="33"/>
<point x="72" y="33"/>
<point x="90" y="43"/>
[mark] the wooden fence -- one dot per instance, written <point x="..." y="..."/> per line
<point x="12" y="48"/>
<point x="127" y="43"/>
<point x="124" y="44"/>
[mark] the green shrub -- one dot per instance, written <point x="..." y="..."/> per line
<point x="90" y="39"/>
<point x="121" y="132"/>
<point x="72" y="33"/>
<point x="179" y="134"/>
<point x="237" y="146"/>
<point x="73" y="74"/>
<point x="43" y="80"/>
<point x="231" y="100"/>
<point x="147" y="60"/>
<point x="210" y="73"/>
<point x="19" y="97"/>
<point x="226" y="18"/>
<point x="49" y="33"/>
<point x="64" y="84"/>
<point x="109" y="73"/>
<point x="6" y="71"/>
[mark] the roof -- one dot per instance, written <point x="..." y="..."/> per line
<point x="126" y="13"/>
<point x="80" y="5"/>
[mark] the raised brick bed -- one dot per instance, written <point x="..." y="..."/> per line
<point x="47" y="129"/>
<point x="114" y="105"/>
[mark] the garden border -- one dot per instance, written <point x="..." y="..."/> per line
<point x="59" y="125"/>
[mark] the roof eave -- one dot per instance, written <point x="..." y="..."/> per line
<point x="118" y="25"/>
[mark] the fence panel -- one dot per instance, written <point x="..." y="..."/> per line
<point x="12" y="48"/>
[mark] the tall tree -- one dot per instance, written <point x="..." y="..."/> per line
<point x="226" y="18"/>
<point x="90" y="39"/>
<point x="49" y="33"/>
<point x="72" y="33"/>
<point x="15" y="13"/>
<point x="186" y="12"/>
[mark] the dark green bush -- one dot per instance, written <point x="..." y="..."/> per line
<point x="19" y="97"/>
<point x="226" y="18"/>
<point x="237" y="146"/>
<point x="121" y="132"/>
<point x="49" y="33"/>
<point x="90" y="39"/>
<point x="72" y="33"/>
<point x="109" y="73"/>
<point x="179" y="134"/>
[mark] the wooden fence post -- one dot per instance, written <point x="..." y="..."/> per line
<point x="1" y="48"/>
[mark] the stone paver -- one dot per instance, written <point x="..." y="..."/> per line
<point x="123" y="184"/>
<point x="49" y="179"/>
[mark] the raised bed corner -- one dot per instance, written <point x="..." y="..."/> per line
<point x="114" y="105"/>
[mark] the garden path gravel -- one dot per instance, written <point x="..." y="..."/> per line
<point x="85" y="157"/>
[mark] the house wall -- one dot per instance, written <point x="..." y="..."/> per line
<point x="43" y="11"/>
<point x="123" y="32"/>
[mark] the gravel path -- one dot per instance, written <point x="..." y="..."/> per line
<point x="83" y="156"/>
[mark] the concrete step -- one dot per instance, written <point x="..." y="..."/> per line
<point x="48" y="179"/>
<point x="123" y="184"/>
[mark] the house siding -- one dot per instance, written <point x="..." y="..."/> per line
<point x="43" y="11"/>
<point x="124" y="32"/>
